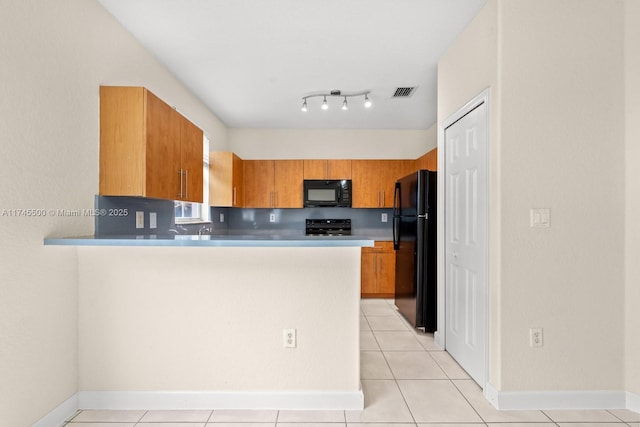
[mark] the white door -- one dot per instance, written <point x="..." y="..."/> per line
<point x="465" y="195"/>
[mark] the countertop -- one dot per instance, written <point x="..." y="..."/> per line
<point x="235" y="240"/>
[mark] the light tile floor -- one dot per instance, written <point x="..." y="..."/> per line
<point x="407" y="381"/>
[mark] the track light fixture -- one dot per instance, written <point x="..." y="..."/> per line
<point x="338" y="93"/>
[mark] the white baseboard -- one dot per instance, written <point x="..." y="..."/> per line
<point x="439" y="339"/>
<point x="633" y="402"/>
<point x="220" y="400"/>
<point x="511" y="400"/>
<point x="60" y="414"/>
<point x="532" y="400"/>
<point x="201" y="400"/>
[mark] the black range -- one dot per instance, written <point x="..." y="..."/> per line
<point x="328" y="227"/>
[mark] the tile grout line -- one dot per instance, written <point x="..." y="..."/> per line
<point x="469" y="403"/>
<point x="395" y="380"/>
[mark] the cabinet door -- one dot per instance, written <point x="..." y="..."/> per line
<point x="221" y="178"/>
<point x="258" y="183"/>
<point x="368" y="285"/>
<point x="162" y="165"/>
<point x="365" y="193"/>
<point x="339" y="169"/>
<point x="288" y="177"/>
<point x="315" y="169"/>
<point x="122" y="141"/>
<point x="386" y="274"/>
<point x="428" y="161"/>
<point x="237" y="196"/>
<point x="432" y="160"/>
<point x="327" y="169"/>
<point x="389" y="172"/>
<point x="225" y="179"/>
<point x="192" y="163"/>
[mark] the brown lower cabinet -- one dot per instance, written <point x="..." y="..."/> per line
<point x="378" y="271"/>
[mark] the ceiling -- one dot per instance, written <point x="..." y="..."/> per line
<point x="252" y="61"/>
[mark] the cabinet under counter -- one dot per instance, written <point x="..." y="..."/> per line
<point x="204" y="325"/>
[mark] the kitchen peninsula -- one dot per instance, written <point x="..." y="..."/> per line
<point x="199" y="322"/>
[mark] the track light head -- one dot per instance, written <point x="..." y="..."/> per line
<point x="325" y="106"/>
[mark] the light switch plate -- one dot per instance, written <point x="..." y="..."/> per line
<point x="540" y="217"/>
<point x="153" y="220"/>
<point x="139" y="219"/>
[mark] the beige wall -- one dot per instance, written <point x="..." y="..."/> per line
<point x="556" y="140"/>
<point x="331" y="144"/>
<point x="632" y="196"/>
<point x="212" y="319"/>
<point x="562" y="147"/>
<point x="54" y="57"/>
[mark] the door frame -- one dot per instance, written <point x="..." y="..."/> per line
<point x="440" y="334"/>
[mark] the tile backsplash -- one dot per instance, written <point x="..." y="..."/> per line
<point x="235" y="220"/>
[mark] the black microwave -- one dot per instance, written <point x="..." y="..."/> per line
<point x="327" y="193"/>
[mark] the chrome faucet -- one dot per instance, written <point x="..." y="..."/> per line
<point x="205" y="230"/>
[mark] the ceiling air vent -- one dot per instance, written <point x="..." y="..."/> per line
<point x="403" y="92"/>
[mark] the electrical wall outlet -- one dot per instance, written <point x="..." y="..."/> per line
<point x="153" y="220"/>
<point x="289" y="338"/>
<point x="221" y="216"/>
<point x="535" y="337"/>
<point x="139" y="219"/>
<point x="383" y="217"/>
<point x="272" y="217"/>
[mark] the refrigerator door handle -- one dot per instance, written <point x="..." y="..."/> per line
<point x="396" y="233"/>
<point x="397" y="195"/>
<point x="396" y="199"/>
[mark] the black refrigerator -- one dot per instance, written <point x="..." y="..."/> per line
<point x="414" y="240"/>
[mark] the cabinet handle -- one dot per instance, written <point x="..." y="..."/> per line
<point x="382" y="199"/>
<point x="234" y="197"/>
<point x="186" y="184"/>
<point x="180" y="173"/>
<point x="378" y="199"/>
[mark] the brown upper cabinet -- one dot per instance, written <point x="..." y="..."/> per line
<point x="147" y="148"/>
<point x="428" y="161"/>
<point x="374" y="181"/>
<point x="327" y="169"/>
<point x="225" y="179"/>
<point x="273" y="183"/>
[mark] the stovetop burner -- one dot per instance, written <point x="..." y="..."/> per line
<point x="328" y="227"/>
